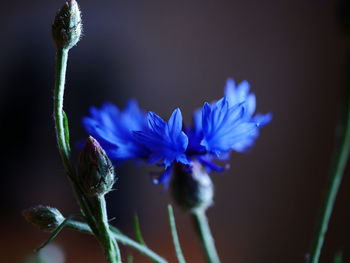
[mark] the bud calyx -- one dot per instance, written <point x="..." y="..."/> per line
<point x="45" y="218"/>
<point x="67" y="27"/>
<point x="96" y="174"/>
<point x="192" y="187"/>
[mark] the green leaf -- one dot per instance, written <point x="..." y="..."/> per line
<point x="54" y="234"/>
<point x="66" y="131"/>
<point x="129" y="259"/>
<point x="137" y="231"/>
<point x="176" y="241"/>
<point x="338" y="257"/>
<point x="125" y="240"/>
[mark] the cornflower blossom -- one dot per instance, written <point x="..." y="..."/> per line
<point x="218" y="128"/>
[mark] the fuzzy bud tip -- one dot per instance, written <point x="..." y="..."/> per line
<point x="45" y="218"/>
<point x="67" y="26"/>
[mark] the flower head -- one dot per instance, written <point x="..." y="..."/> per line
<point x="218" y="128"/>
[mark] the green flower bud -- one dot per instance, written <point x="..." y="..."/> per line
<point x="45" y="218"/>
<point x="67" y="27"/>
<point x="192" y="187"/>
<point x="95" y="172"/>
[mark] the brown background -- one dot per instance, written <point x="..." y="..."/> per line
<point x="171" y="54"/>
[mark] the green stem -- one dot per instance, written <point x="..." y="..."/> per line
<point x="137" y="230"/>
<point x="119" y="237"/>
<point x="202" y="226"/>
<point x="178" y="250"/>
<point x="62" y="141"/>
<point x="105" y="236"/>
<point x="61" y="66"/>
<point x="341" y="158"/>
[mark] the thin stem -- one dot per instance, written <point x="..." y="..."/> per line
<point x="179" y="254"/>
<point x="202" y="226"/>
<point x="110" y="246"/>
<point x="119" y="237"/>
<point x="62" y="140"/>
<point x="125" y="240"/>
<point x="341" y="158"/>
<point x="61" y="66"/>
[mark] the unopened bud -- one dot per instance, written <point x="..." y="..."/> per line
<point x="67" y="27"/>
<point x="95" y="172"/>
<point x="192" y="187"/>
<point x="45" y="218"/>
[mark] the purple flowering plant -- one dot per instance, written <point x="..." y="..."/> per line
<point x="188" y="153"/>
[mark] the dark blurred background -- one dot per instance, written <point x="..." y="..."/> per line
<point x="169" y="54"/>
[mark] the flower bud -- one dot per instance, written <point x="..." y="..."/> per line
<point x="192" y="187"/>
<point x="67" y="27"/>
<point x="45" y="218"/>
<point x="95" y="172"/>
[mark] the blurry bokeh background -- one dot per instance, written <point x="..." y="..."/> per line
<point x="170" y="54"/>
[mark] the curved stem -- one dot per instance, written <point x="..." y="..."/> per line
<point x="61" y="66"/>
<point x="61" y="135"/>
<point x="61" y="128"/>
<point x="202" y="226"/>
<point x="123" y="239"/>
<point x="341" y="158"/>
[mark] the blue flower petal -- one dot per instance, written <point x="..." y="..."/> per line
<point x="243" y="135"/>
<point x="239" y="94"/>
<point x="164" y="178"/>
<point x="211" y="166"/>
<point x="263" y="119"/>
<point x="165" y="141"/>
<point x="113" y="129"/>
<point x="224" y="127"/>
<point x="236" y="94"/>
<point x="195" y="135"/>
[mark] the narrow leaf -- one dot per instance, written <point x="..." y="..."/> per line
<point x="54" y="234"/>
<point x="176" y="241"/>
<point x="137" y="231"/>
<point x="66" y="131"/>
<point x="129" y="259"/>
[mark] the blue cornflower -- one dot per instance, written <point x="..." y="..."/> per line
<point x="218" y="128"/>
<point x="225" y="125"/>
